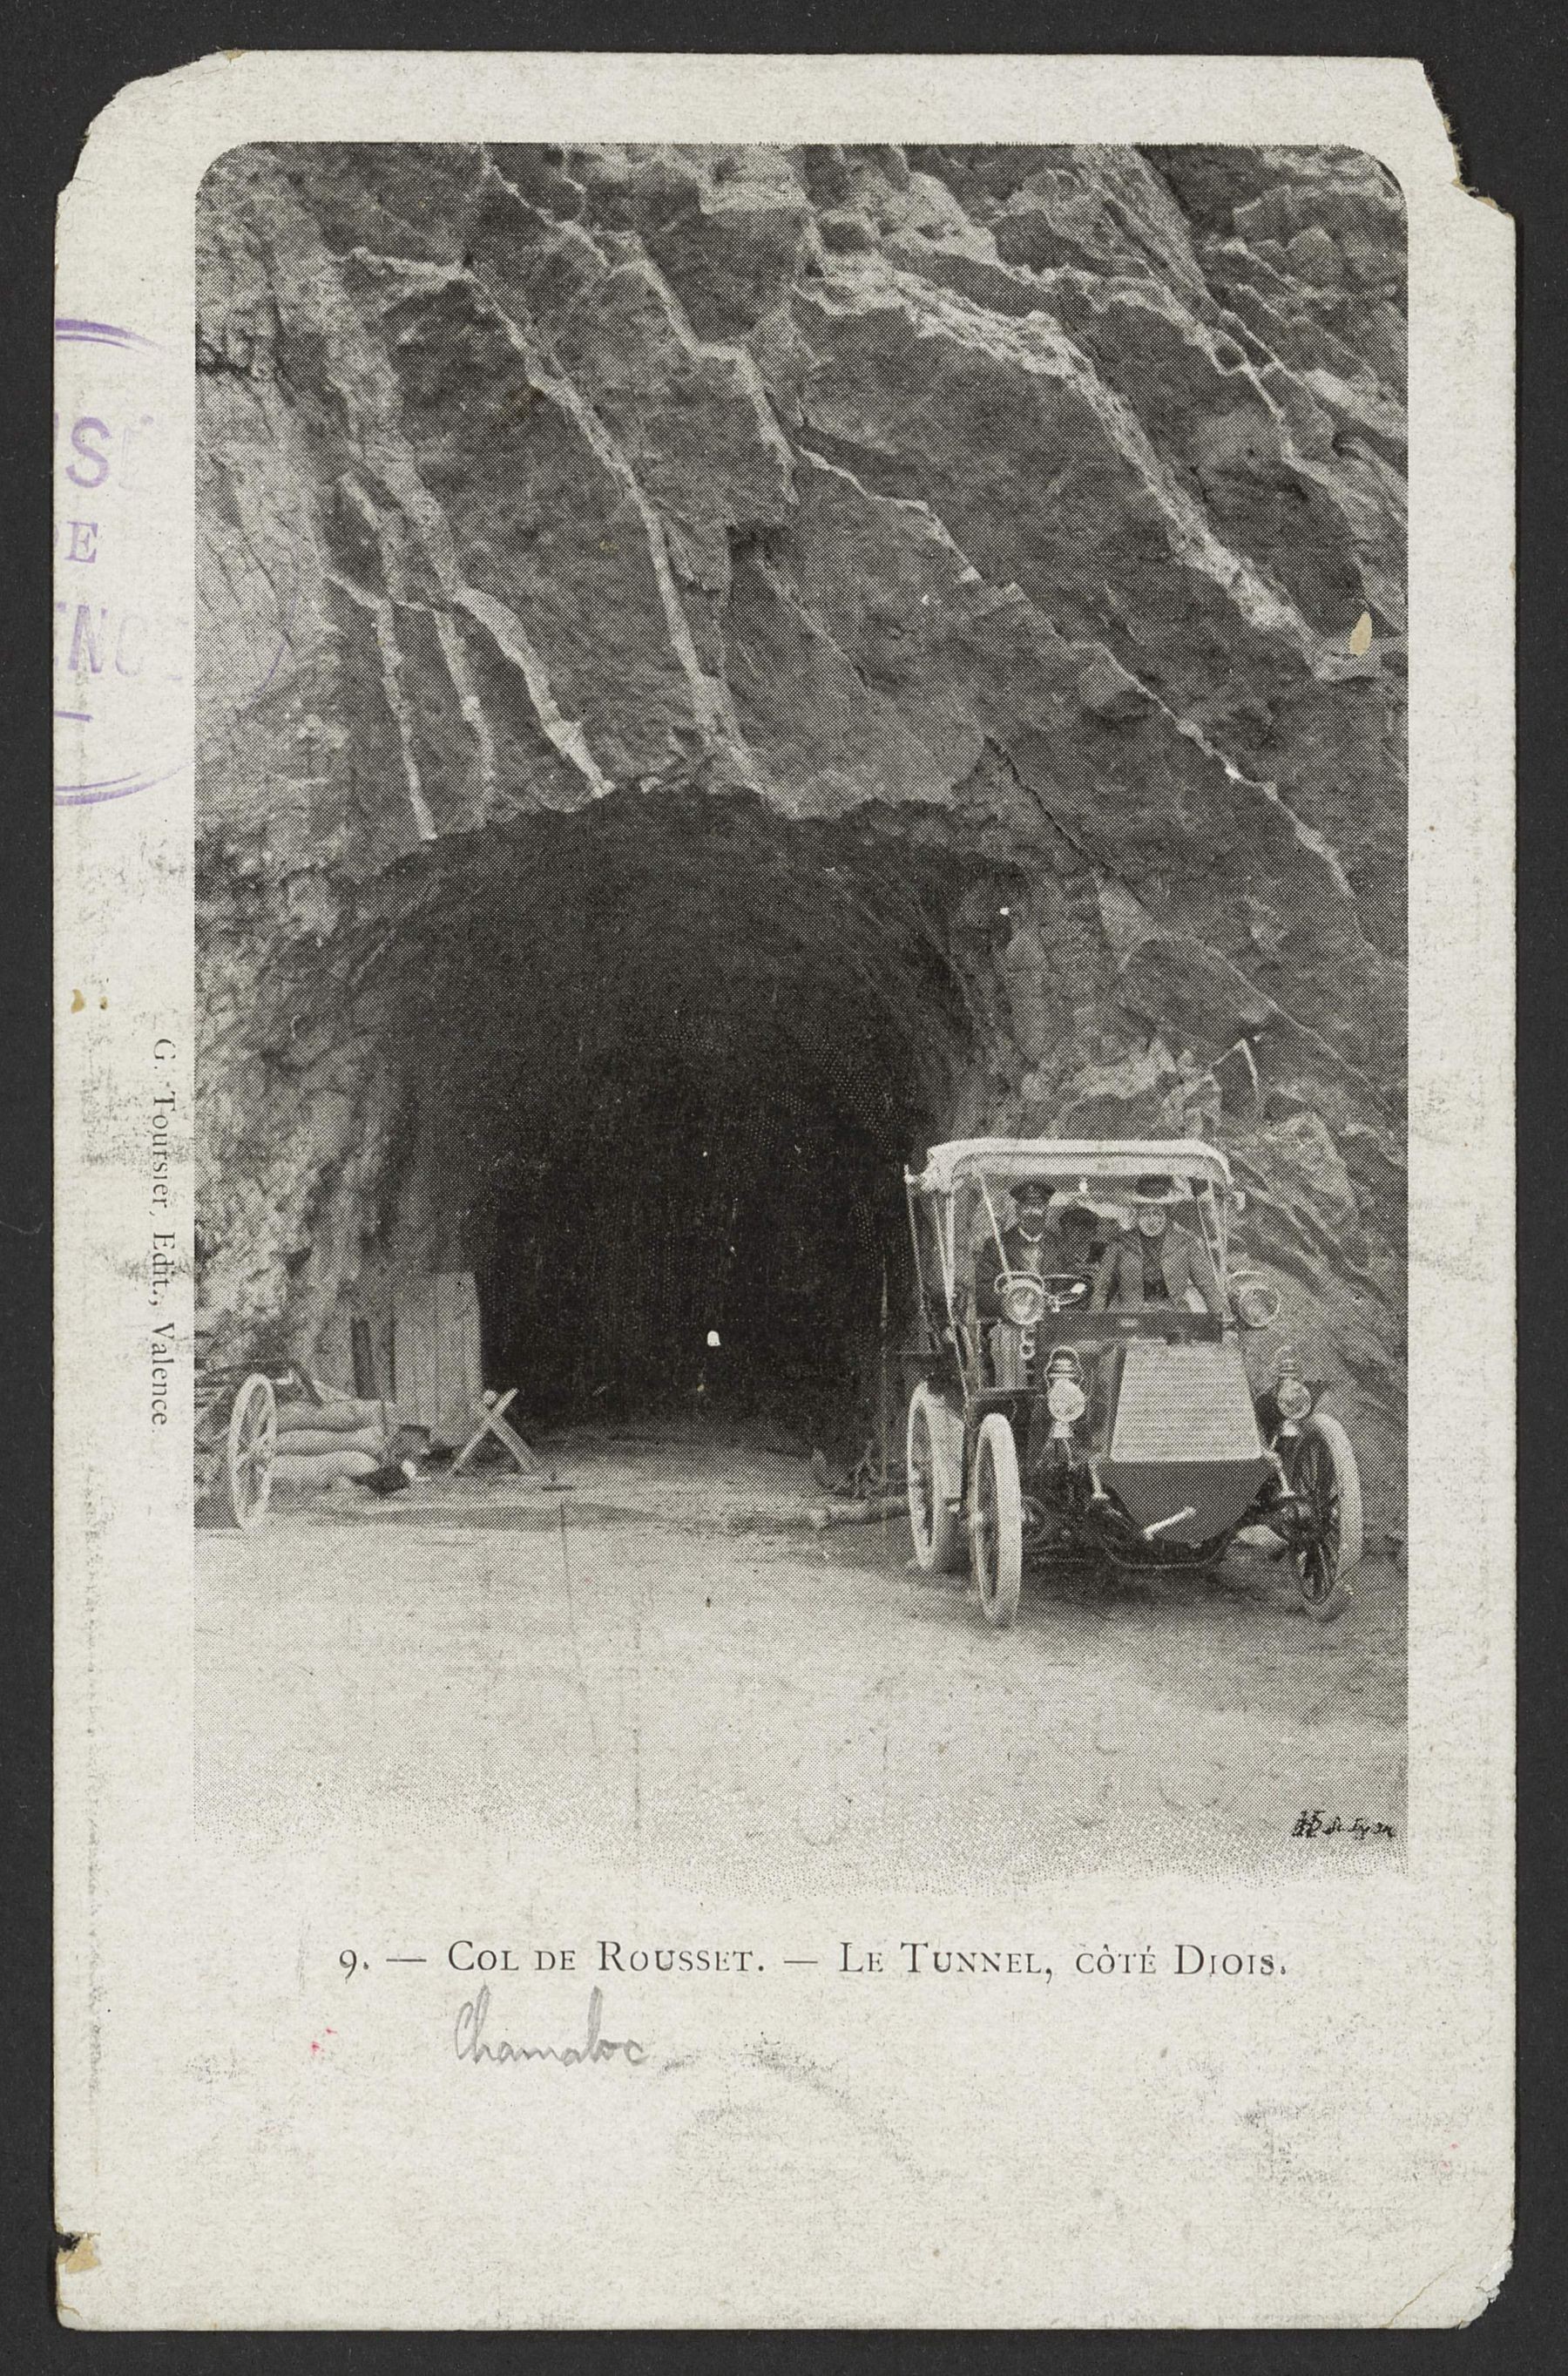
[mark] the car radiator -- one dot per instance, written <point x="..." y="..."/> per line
<point x="1184" y="1436"/>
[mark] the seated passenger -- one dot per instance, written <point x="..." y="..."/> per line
<point x="1157" y="1261"/>
<point x="1079" y="1243"/>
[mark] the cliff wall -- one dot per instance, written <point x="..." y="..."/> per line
<point x="1012" y="538"/>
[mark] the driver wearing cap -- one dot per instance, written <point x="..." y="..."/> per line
<point x="1048" y="1248"/>
<point x="1157" y="1261"/>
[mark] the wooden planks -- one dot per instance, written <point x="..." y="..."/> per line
<point x="495" y="1422"/>
<point x="435" y="1352"/>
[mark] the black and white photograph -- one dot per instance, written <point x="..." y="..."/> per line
<point x="801" y="902"/>
<point x="784" y="1103"/>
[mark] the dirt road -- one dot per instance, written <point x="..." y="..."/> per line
<point x="661" y="1660"/>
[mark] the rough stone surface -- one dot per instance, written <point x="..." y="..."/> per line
<point x="1007" y="512"/>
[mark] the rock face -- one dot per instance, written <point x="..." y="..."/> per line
<point x="954" y="597"/>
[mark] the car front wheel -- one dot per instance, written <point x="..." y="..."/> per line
<point x="1324" y="1473"/>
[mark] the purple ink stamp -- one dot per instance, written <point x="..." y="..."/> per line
<point x="122" y="633"/>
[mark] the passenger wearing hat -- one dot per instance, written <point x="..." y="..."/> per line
<point x="1157" y="1261"/>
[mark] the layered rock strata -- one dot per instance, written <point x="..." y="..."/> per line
<point x="1022" y="525"/>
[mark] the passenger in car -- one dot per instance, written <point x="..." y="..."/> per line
<point x="1157" y="1261"/>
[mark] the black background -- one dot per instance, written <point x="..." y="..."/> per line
<point x="1498" y="71"/>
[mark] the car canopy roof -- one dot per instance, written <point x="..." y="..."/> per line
<point x="1002" y="1159"/>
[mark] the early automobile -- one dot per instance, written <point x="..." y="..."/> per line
<point x="1041" y="1427"/>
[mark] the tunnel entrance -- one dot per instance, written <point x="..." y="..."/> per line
<point x="661" y="1061"/>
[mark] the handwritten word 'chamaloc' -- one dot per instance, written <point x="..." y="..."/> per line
<point x="472" y="2046"/>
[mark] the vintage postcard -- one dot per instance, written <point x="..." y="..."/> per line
<point x="784" y="824"/>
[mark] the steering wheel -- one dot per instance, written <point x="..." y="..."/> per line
<point x="1026" y="1297"/>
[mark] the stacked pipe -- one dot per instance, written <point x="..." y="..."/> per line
<point x="319" y="1442"/>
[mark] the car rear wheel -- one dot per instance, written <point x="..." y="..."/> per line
<point x="1324" y="1473"/>
<point x="996" y="1522"/>
<point x="932" y="1485"/>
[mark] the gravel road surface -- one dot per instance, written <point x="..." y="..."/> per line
<point x="656" y="1657"/>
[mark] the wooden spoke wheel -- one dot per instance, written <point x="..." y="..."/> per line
<point x="996" y="1522"/>
<point x="932" y="1485"/>
<point x="1324" y="1473"/>
<point x="245" y="1472"/>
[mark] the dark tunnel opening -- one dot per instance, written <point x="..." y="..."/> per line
<point x="664" y="1061"/>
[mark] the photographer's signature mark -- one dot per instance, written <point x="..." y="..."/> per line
<point x="1311" y="1824"/>
<point x="472" y="2045"/>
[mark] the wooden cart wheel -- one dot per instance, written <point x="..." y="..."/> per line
<point x="932" y="1485"/>
<point x="245" y="1476"/>
<point x="996" y="1522"/>
<point x="1324" y="1473"/>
